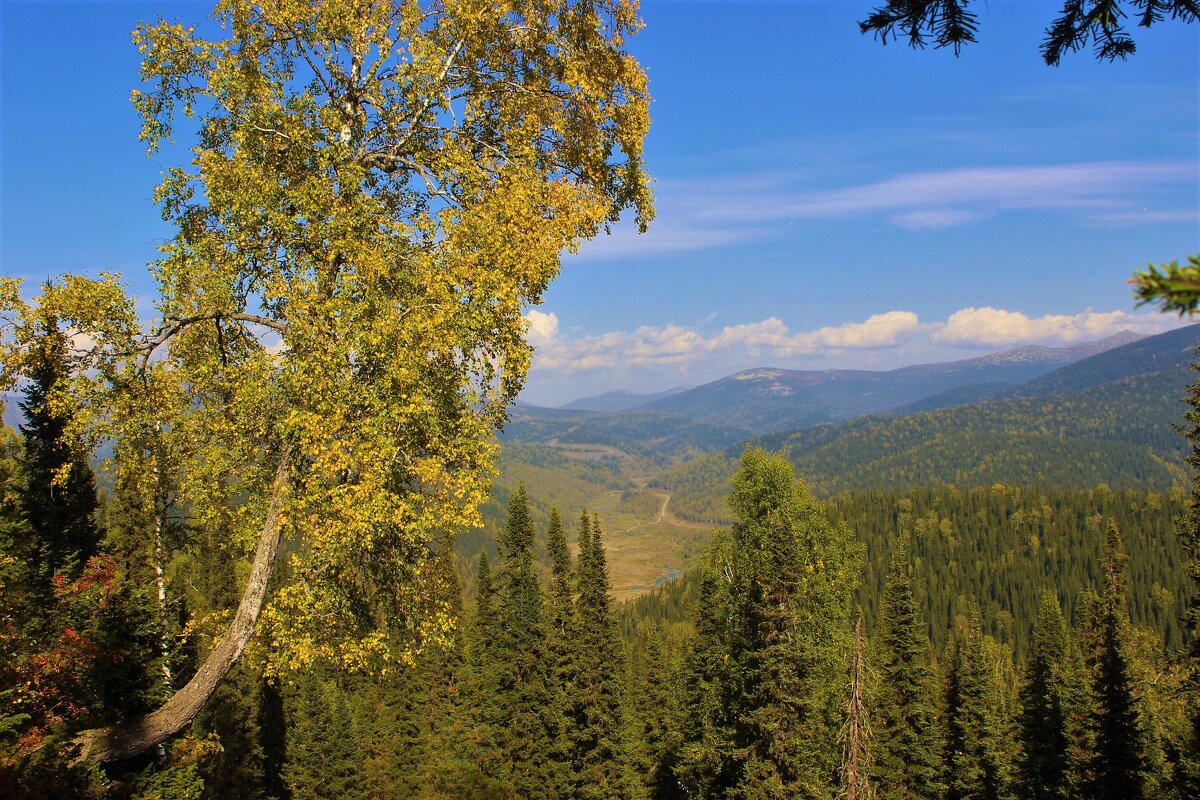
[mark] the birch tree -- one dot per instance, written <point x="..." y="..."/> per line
<point x="378" y="190"/>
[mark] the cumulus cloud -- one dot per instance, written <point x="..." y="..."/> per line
<point x="543" y="327"/>
<point x="674" y="345"/>
<point x="996" y="326"/>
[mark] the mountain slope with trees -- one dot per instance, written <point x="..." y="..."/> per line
<point x="1118" y="430"/>
<point x="766" y="400"/>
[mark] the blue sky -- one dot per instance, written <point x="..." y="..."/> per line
<point x="822" y="201"/>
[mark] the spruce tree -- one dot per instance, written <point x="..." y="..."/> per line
<point x="560" y="608"/>
<point x="412" y="730"/>
<point x="707" y="767"/>
<point x="482" y="681"/>
<point x="777" y="622"/>
<point x="1046" y="768"/>
<point x="597" y="726"/>
<point x="976" y="762"/>
<point x="1189" y="532"/>
<point x="908" y="740"/>
<point x="654" y="716"/>
<point x="1119" y="761"/>
<point x="560" y="602"/>
<point x="60" y="498"/>
<point x="323" y="760"/>
<point x="523" y="718"/>
<point x="562" y="644"/>
<point x="485" y="625"/>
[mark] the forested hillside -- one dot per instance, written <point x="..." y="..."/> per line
<point x="1118" y="433"/>
<point x="767" y="400"/>
<point x="1002" y="546"/>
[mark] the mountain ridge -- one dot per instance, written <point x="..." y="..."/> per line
<point x="766" y="399"/>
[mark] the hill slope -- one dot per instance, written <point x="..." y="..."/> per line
<point x="620" y="400"/>
<point x="1119" y="433"/>
<point x="766" y="400"/>
<point x="655" y="435"/>
<point x="1173" y="350"/>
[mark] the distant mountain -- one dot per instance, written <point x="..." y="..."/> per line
<point x="620" y="400"/>
<point x="1106" y="419"/>
<point x="1118" y="434"/>
<point x="1173" y="350"/>
<point x="1122" y="355"/>
<point x="766" y="400"/>
<point x="958" y="396"/>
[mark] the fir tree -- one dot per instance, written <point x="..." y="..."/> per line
<point x="655" y="717"/>
<point x="485" y="625"/>
<point x="1046" y="769"/>
<point x="1188" y="528"/>
<point x="560" y="609"/>
<point x="482" y="681"/>
<point x="597" y="727"/>
<point x="1119" y="762"/>
<point x="411" y="724"/>
<point x="707" y="767"/>
<point x="977" y="767"/>
<point x="908" y="752"/>
<point x="60" y="497"/>
<point x="272" y="740"/>
<point x="562" y="643"/>
<point x="521" y="713"/>
<point x="560" y="603"/>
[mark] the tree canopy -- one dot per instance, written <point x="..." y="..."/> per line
<point x="377" y="192"/>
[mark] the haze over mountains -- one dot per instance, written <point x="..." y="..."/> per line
<point x="620" y="400"/>
<point x="763" y="400"/>
<point x="1099" y="412"/>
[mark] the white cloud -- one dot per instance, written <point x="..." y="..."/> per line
<point x="771" y="339"/>
<point x="543" y="327"/>
<point x="879" y="330"/>
<point x="934" y="220"/>
<point x="676" y="344"/>
<point x="717" y="212"/>
<point x="1076" y="186"/>
<point x="995" y="326"/>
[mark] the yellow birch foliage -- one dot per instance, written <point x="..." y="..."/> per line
<point x="377" y="193"/>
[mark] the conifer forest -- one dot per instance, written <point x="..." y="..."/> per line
<point x="284" y="531"/>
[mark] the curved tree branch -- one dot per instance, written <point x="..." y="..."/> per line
<point x="173" y="326"/>
<point x="130" y="738"/>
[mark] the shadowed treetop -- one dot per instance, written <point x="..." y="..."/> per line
<point x="952" y="23"/>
